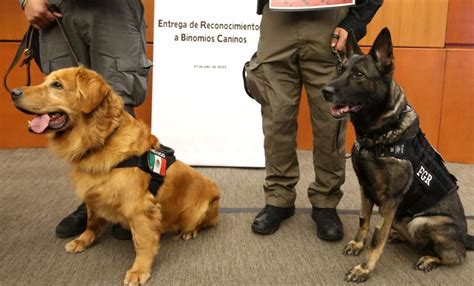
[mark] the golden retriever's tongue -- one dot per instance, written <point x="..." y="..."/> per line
<point x="39" y="123"/>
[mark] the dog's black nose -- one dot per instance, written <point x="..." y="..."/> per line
<point x="328" y="92"/>
<point x="16" y="93"/>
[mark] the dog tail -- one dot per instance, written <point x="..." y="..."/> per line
<point x="469" y="242"/>
<point x="212" y="213"/>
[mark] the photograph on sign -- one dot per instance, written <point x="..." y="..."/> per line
<point x="307" y="5"/>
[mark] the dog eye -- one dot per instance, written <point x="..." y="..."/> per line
<point x="56" y="84"/>
<point x="359" y="74"/>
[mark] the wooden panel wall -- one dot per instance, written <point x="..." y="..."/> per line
<point x="420" y="72"/>
<point x="460" y="28"/>
<point x="456" y="141"/>
<point x="435" y="75"/>
<point x="423" y="86"/>
<point x="413" y="23"/>
<point x="149" y="12"/>
<point x="13" y="123"/>
<point x="12" y="21"/>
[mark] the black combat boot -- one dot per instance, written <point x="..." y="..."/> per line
<point x="120" y="233"/>
<point x="76" y="223"/>
<point x="328" y="224"/>
<point x="269" y="218"/>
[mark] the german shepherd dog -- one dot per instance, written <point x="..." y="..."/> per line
<point x="86" y="124"/>
<point x="417" y="198"/>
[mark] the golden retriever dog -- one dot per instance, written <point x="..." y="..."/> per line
<point x="86" y="125"/>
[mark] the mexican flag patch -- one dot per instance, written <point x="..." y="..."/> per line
<point x="157" y="162"/>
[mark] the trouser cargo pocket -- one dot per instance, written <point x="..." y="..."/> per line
<point x="254" y="79"/>
<point x="132" y="78"/>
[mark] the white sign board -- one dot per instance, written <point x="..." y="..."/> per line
<point x="199" y="106"/>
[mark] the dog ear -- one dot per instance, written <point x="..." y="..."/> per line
<point x="91" y="89"/>
<point x="351" y="45"/>
<point x="382" y="50"/>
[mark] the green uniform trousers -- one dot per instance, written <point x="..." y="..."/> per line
<point x="108" y="36"/>
<point x="294" y="51"/>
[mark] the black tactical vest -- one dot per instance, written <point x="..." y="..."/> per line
<point x="432" y="180"/>
<point x="154" y="162"/>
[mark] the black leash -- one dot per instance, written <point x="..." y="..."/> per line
<point x="28" y="47"/>
<point x="54" y="8"/>
<point x="339" y="66"/>
<point x="28" y="50"/>
<point x="338" y="57"/>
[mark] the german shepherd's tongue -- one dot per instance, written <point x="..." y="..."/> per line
<point x="339" y="110"/>
<point x="39" y="123"/>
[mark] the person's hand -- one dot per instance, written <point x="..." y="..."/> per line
<point x="338" y="39"/>
<point x="37" y="13"/>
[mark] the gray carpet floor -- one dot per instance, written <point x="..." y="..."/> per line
<point x="36" y="193"/>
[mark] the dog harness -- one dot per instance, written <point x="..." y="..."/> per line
<point x="428" y="168"/>
<point x="153" y="162"/>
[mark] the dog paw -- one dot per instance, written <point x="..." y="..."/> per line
<point x="427" y="263"/>
<point x="395" y="238"/>
<point x="75" y="246"/>
<point x="357" y="274"/>
<point x="353" y="248"/>
<point x="135" y="278"/>
<point x="189" y="235"/>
